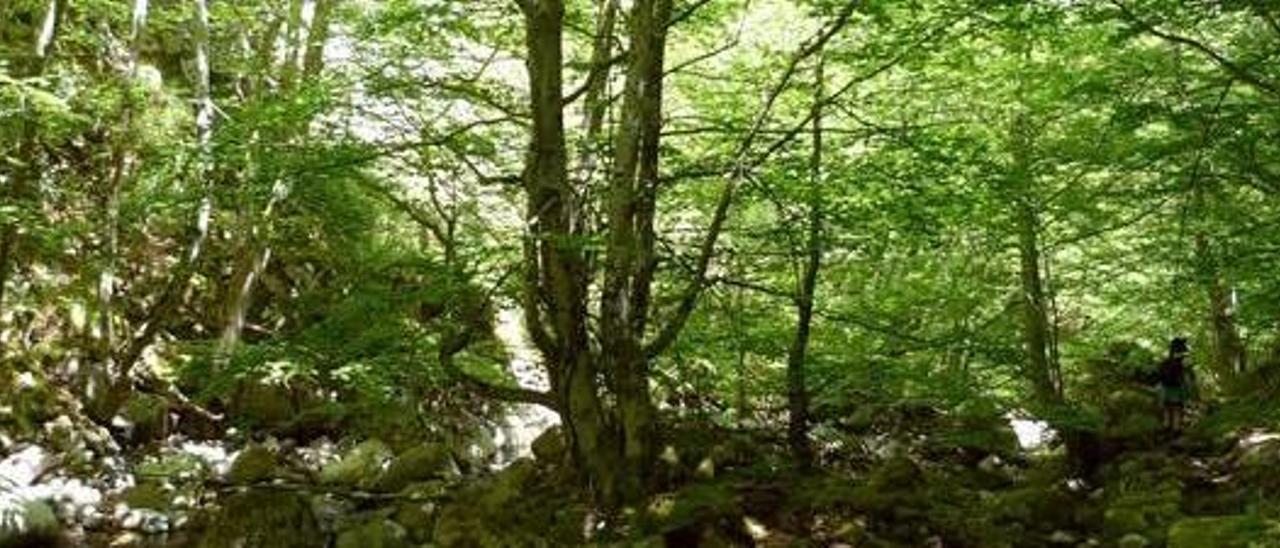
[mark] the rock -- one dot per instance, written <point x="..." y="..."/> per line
<point x="23" y="467"/>
<point x="1062" y="538"/>
<point x="262" y="405"/>
<point x="374" y="534"/>
<point x="467" y="520"/>
<point x="264" y="519"/>
<point x="255" y="463"/>
<point x="147" y="416"/>
<point x="1124" y="521"/>
<point x="27" y="523"/>
<point x="549" y="447"/>
<point x="361" y="467"/>
<point x="418" y="519"/>
<point x="173" y="466"/>
<point x="1238" y="531"/>
<point x="1133" y="540"/>
<point x="420" y="463"/>
<point x="149" y="495"/>
<point x="1131" y="413"/>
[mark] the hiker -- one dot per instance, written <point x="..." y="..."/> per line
<point x="1176" y="382"/>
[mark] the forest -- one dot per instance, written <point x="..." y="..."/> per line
<point x="542" y="273"/>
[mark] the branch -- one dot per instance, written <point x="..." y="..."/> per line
<point x="686" y="13"/>
<point x="667" y="335"/>
<point x="1230" y="66"/>
<point x="506" y="393"/>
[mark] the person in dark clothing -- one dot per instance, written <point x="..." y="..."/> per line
<point x="1176" y="383"/>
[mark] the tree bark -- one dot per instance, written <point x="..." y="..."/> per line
<point x="797" y="391"/>
<point x="1228" y="354"/>
<point x="1036" y="326"/>
<point x="121" y="163"/>
<point x="556" y="268"/>
<point x="304" y="60"/>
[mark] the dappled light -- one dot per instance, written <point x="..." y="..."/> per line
<point x="543" y="273"/>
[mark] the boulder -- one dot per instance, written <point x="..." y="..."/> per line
<point x="420" y="463"/>
<point x="504" y="498"/>
<point x="380" y="533"/>
<point x="261" y="518"/>
<point x="147" y="495"/>
<point x="416" y="516"/>
<point x="1133" y="540"/>
<point x="254" y="464"/>
<point x="549" y="447"/>
<point x="262" y="405"/>
<point x="360" y="467"/>
<point x="147" y="416"/>
<point x="27" y="523"/>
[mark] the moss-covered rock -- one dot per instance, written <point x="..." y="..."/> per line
<point x="262" y="518"/>
<point x="379" y="533"/>
<point x="362" y="466"/>
<point x="1143" y="496"/>
<point x="1240" y="531"/>
<point x="148" y="495"/>
<point x="530" y="512"/>
<point x="698" y="503"/>
<point x="26" y="523"/>
<point x="254" y="464"/>
<point x="173" y="466"/>
<point x="417" y="514"/>
<point x="549" y="446"/>
<point x="1133" y="540"/>
<point x="419" y="463"/>
<point x="148" y="416"/>
<point x="1131" y="413"/>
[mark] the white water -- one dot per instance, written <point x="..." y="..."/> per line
<point x="523" y="422"/>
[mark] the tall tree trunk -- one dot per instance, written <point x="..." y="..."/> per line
<point x="797" y="391"/>
<point x="1036" y="326"/>
<point x="629" y="259"/>
<point x="307" y="34"/>
<point x="121" y="164"/>
<point x="556" y="276"/>
<point x="171" y="296"/>
<point x="1228" y="349"/>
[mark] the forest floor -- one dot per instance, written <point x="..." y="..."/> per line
<point x="905" y="474"/>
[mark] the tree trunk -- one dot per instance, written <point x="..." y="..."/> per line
<point x="121" y="160"/>
<point x="306" y="36"/>
<point x="629" y="264"/>
<point x="797" y="391"/>
<point x="1036" y="327"/>
<point x="1228" y="350"/>
<point x="556" y="275"/>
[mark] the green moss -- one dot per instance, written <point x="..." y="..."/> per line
<point x="27" y="523"/>
<point x="255" y="463"/>
<point x="549" y="446"/>
<point x="148" y="414"/>
<point x="1241" y="531"/>
<point x="360" y="467"/>
<point x="263" y="518"/>
<point x="422" y="462"/>
<point x="149" y="495"/>
<point x="374" y="534"/>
